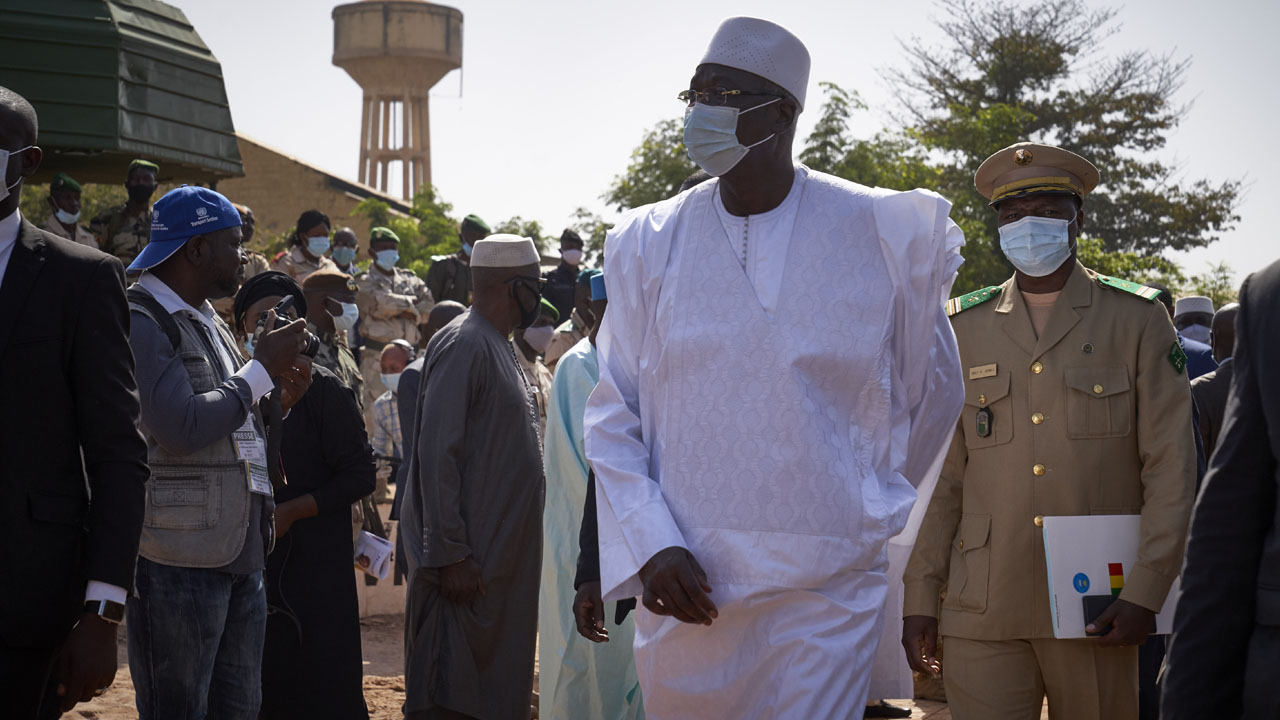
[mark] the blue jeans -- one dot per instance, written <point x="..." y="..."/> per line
<point x="195" y="643"/>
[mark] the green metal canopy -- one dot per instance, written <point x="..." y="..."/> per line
<point x="114" y="80"/>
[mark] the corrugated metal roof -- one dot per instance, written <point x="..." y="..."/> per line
<point x="117" y="79"/>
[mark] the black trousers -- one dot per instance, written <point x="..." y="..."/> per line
<point x="1150" y="660"/>
<point x="27" y="688"/>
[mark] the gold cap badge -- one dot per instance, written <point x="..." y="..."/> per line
<point x="1022" y="156"/>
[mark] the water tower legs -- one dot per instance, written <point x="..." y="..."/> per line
<point x="394" y="130"/>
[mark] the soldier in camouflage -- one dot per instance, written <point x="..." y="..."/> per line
<point x="331" y="305"/>
<point x="125" y="229"/>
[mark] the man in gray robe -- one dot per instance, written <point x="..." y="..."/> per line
<point x="472" y="516"/>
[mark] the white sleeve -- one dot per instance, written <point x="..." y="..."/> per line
<point x="98" y="590"/>
<point x="633" y="517"/>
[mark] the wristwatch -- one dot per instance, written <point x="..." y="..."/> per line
<point x="109" y="610"/>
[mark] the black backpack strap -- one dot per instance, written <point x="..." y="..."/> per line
<point x="152" y="307"/>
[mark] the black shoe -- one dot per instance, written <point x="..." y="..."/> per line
<point x="885" y="710"/>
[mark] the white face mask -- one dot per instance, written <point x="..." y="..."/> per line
<point x="391" y="381"/>
<point x="347" y="320"/>
<point x="573" y="257"/>
<point x="4" y="170"/>
<point x="539" y="338"/>
<point x="711" y="136"/>
<point x="65" y="217"/>
<point x="1036" y="246"/>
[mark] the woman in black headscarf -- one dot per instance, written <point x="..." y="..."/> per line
<point x="308" y="247"/>
<point x="311" y="664"/>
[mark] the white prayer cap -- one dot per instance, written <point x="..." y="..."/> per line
<point x="763" y="48"/>
<point x="504" y="251"/>
<point x="1193" y="304"/>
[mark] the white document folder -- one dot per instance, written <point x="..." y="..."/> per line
<point x="1089" y="555"/>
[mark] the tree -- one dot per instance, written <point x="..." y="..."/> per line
<point x="593" y="229"/>
<point x="1007" y="73"/>
<point x="1217" y="284"/>
<point x="658" y="166"/>
<point x="526" y="228"/>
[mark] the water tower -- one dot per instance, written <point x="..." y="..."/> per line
<point x="396" y="50"/>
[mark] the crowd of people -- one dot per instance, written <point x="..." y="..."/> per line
<point x="736" y="473"/>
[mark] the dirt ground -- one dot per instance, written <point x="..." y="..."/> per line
<point x="383" y="648"/>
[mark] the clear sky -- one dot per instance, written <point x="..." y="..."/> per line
<point x="554" y="95"/>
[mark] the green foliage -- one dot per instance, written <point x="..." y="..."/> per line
<point x="95" y="198"/>
<point x="658" y="166"/>
<point x="428" y="232"/>
<point x="527" y="228"/>
<point x="593" y="229"/>
<point x="1130" y="265"/>
<point x="1217" y="284"/>
<point x="1010" y="73"/>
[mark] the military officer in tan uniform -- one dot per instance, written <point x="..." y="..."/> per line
<point x="1076" y="403"/>
<point x="394" y="304"/>
<point x="125" y="229"/>
<point x="64" y="215"/>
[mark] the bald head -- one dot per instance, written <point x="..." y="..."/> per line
<point x="394" y="357"/>
<point x="1222" y="334"/>
<point x="441" y="315"/>
<point x="18" y="120"/>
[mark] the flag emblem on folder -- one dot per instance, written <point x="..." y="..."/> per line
<point x="1116" y="570"/>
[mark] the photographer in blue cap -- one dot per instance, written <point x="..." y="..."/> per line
<point x="200" y="611"/>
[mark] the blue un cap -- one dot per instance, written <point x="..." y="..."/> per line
<point x="597" y="287"/>
<point x="180" y="215"/>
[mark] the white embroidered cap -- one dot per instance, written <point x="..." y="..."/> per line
<point x="763" y="48"/>
<point x="1193" y="304"/>
<point x="503" y="251"/>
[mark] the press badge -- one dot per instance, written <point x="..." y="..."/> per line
<point x="252" y="453"/>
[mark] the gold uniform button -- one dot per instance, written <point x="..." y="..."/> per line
<point x="961" y="544"/>
<point x="1037" y="469"/>
<point x="1039" y="521"/>
<point x="1037" y="368"/>
<point x="1097" y="389"/>
<point x="1037" y="418"/>
<point x="982" y="399"/>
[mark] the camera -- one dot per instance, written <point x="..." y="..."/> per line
<point x="313" y="343"/>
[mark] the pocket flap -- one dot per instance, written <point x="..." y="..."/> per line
<point x="992" y="389"/>
<point x="1098" y="381"/>
<point x="179" y="492"/>
<point x="973" y="532"/>
<point x="62" y="509"/>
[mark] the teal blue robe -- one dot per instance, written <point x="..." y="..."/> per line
<point x="578" y="678"/>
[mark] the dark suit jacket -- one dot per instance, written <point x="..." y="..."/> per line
<point x="1199" y="357"/>
<point x="406" y="406"/>
<point x="1211" y="391"/>
<point x="1231" y="579"/>
<point x="68" y="392"/>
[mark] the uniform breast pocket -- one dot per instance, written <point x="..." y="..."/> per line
<point x="1099" y="402"/>
<point x="988" y="412"/>
<point x="199" y="371"/>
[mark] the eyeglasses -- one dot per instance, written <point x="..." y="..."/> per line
<point x="717" y="96"/>
<point x="538" y="283"/>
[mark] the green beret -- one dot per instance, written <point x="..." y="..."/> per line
<point x="63" y="181"/>
<point x="549" y="309"/>
<point x="383" y="234"/>
<point x="473" y="222"/>
<point x="140" y="163"/>
<point x="584" y="277"/>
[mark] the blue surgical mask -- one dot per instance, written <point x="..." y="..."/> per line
<point x="387" y="259"/>
<point x="391" y="381"/>
<point x="318" y="245"/>
<point x="466" y="248"/>
<point x="65" y="217"/>
<point x="248" y="346"/>
<point x="343" y="255"/>
<point x="1036" y="246"/>
<point x="711" y="136"/>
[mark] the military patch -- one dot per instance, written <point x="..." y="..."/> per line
<point x="1133" y="288"/>
<point x="1177" y="357"/>
<point x="973" y="299"/>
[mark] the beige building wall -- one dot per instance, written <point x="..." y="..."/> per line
<point x="279" y="188"/>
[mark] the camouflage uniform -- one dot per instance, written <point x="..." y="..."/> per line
<point x="381" y="298"/>
<point x="121" y="234"/>
<point x="337" y="358"/>
<point x="298" y="266"/>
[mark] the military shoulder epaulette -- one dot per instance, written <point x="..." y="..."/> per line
<point x="973" y="299"/>
<point x="438" y="258"/>
<point x="1146" y="293"/>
